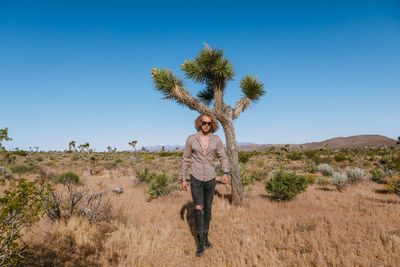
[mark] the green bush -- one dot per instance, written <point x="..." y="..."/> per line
<point x="21" y="205"/>
<point x="339" y="157"/>
<point x="67" y="178"/>
<point x="294" y="155"/>
<point x="286" y="185"/>
<point x="244" y="157"/>
<point x="145" y="176"/>
<point x="19" y="153"/>
<point x="161" y="185"/>
<point x="378" y="175"/>
<point x="393" y="184"/>
<point x="22" y="168"/>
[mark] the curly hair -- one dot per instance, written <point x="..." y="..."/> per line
<point x="214" y="126"/>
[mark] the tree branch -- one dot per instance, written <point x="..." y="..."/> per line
<point x="182" y="97"/>
<point x="241" y="106"/>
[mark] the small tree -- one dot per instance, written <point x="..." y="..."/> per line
<point x="4" y="137"/>
<point x="213" y="70"/>
<point x="72" y="145"/>
<point x="134" y="157"/>
<point x="21" y="204"/>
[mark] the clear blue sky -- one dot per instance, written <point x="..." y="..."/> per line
<point x="80" y="70"/>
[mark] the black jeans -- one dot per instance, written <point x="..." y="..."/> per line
<point x="202" y="194"/>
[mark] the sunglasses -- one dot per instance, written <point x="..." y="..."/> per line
<point x="209" y="123"/>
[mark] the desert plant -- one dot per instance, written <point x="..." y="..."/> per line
<point x="161" y="185"/>
<point x="248" y="177"/>
<point x="74" y="201"/>
<point x="378" y="175"/>
<point x="21" y="205"/>
<point x="310" y="178"/>
<point x="325" y="169"/>
<point x="393" y="184"/>
<point x="286" y="185"/>
<point x="213" y="70"/>
<point x="145" y="176"/>
<point x="338" y="180"/>
<point x="244" y="157"/>
<point x="22" y="168"/>
<point x="322" y="180"/>
<point x="355" y="174"/>
<point x="294" y="155"/>
<point x="339" y="157"/>
<point x="67" y="178"/>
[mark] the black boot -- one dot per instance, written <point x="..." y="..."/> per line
<point x="200" y="245"/>
<point x="206" y="242"/>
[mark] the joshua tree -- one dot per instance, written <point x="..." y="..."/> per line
<point x="398" y="140"/>
<point x="134" y="157"/>
<point x="213" y="70"/>
<point x="72" y="145"/>
<point x="4" y="137"/>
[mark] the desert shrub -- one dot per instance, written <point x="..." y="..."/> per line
<point x="67" y="178"/>
<point x="161" y="185"/>
<point x="312" y="168"/>
<point x="325" y="169"/>
<point x="247" y="176"/>
<point x="355" y="175"/>
<point x="22" y="168"/>
<point x="286" y="185"/>
<point x="260" y="163"/>
<point x="148" y="158"/>
<point x="338" y="180"/>
<point x="339" y="157"/>
<point x="294" y="155"/>
<point x="170" y="153"/>
<point x="393" y="184"/>
<point x="244" y="156"/>
<point x="378" y="175"/>
<point x="310" y="153"/>
<point x="310" y="178"/>
<point x="145" y="176"/>
<point x="74" y="201"/>
<point x="322" y="181"/>
<point x="118" y="160"/>
<point x="21" y="205"/>
<point x="19" y="153"/>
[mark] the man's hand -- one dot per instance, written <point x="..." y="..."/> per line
<point x="184" y="186"/>
<point x="225" y="178"/>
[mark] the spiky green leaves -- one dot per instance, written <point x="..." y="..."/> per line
<point x="252" y="87"/>
<point x="209" y="66"/>
<point x="165" y="80"/>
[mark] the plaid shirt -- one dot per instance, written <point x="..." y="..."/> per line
<point x="203" y="167"/>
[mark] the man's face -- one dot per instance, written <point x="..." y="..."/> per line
<point x="206" y="124"/>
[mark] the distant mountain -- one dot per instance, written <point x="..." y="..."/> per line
<point x="360" y="141"/>
<point x="333" y="143"/>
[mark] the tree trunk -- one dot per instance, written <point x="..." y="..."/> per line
<point x="232" y="154"/>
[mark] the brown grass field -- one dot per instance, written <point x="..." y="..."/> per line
<point x="359" y="226"/>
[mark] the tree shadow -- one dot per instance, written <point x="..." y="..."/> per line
<point x="382" y="191"/>
<point x="324" y="188"/>
<point x="189" y="209"/>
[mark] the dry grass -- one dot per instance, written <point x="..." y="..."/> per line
<point x="321" y="227"/>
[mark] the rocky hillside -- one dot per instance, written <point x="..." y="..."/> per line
<point x="334" y="143"/>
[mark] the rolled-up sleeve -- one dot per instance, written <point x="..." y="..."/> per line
<point x="221" y="156"/>
<point x="187" y="154"/>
